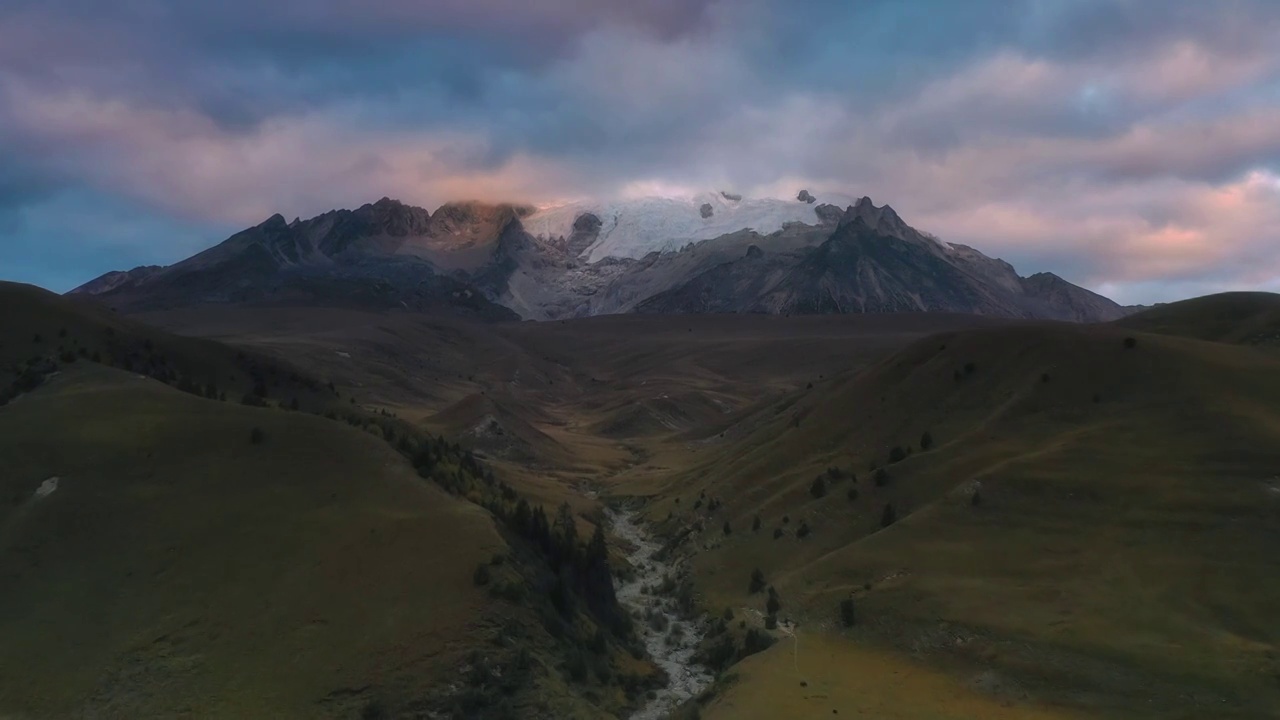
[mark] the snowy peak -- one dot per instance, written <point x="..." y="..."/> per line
<point x="635" y="228"/>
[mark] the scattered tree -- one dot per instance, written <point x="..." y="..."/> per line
<point x="970" y="368"/>
<point x="819" y="487"/>
<point x="897" y="454"/>
<point x="1130" y="343"/>
<point x="755" y="524"/>
<point x="889" y="516"/>
<point x="976" y="499"/>
<point x="757" y="582"/>
<point x="852" y="494"/>
<point x="777" y="533"/>
<point x="774" y="604"/>
<point x="1044" y="378"/>
<point x="771" y="622"/>
<point x="481" y="576"/>
<point x="803" y="530"/>
<point x="846" y="612"/>
<point x="881" y="477"/>
<point x="727" y="529"/>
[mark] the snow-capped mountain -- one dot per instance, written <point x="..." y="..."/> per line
<point x="711" y="252"/>
<point x="635" y="228"/>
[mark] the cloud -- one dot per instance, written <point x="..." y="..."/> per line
<point x="1124" y="145"/>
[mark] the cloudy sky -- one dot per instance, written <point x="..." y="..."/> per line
<point x="1132" y="146"/>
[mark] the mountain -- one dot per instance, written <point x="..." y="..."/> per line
<point x="709" y="253"/>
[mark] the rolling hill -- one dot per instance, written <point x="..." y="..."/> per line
<point x="1088" y="526"/>
<point x="191" y="528"/>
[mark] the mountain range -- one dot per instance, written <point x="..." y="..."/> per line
<point x="715" y="252"/>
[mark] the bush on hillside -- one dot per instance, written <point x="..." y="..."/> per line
<point x="852" y="494"/>
<point x="881" y="477"/>
<point x="774" y="604"/>
<point x="481" y="576"/>
<point x="846" y="612"/>
<point x="755" y="524"/>
<point x="777" y="533"/>
<point x="803" y="530"/>
<point x="757" y="582"/>
<point x="897" y="454"/>
<point x="819" y="487"/>
<point x="889" y="516"/>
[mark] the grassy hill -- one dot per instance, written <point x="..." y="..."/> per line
<point x="179" y="568"/>
<point x="1119" y="560"/>
<point x="1245" y="318"/>
<point x="164" y="553"/>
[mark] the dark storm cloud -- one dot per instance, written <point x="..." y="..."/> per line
<point x="1120" y="141"/>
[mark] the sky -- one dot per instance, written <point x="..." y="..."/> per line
<point x="1131" y="146"/>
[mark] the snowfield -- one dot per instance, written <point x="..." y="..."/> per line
<point x="635" y="228"/>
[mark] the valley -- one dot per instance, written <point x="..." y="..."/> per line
<point x="956" y="515"/>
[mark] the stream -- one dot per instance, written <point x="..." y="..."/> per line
<point x="670" y="639"/>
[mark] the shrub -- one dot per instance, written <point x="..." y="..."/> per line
<point x="67" y="356"/>
<point x="819" y="487"/>
<point x="777" y="533"/>
<point x="1044" y="378"/>
<point x="803" y="531"/>
<point x="252" y="400"/>
<point x="889" y="516"/>
<point x="956" y="375"/>
<point x="756" y="641"/>
<point x="727" y="529"/>
<point x="728" y="614"/>
<point x="755" y="524"/>
<point x="897" y="454"/>
<point x="1130" y="343"/>
<point x="976" y="499"/>
<point x="481" y="576"/>
<point x="846" y="612"/>
<point x="757" y="581"/>
<point x="926" y="440"/>
<point x="881" y="477"/>
<point x="852" y="494"/>
<point x="257" y="436"/>
<point x="786" y="519"/>
<point x="771" y="622"/>
<point x="774" y="604"/>
<point x="970" y="368"/>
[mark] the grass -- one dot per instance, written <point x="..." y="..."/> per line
<point x="179" y="567"/>
<point x="1121" y="562"/>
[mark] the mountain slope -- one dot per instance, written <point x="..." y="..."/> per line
<point x="1112" y="481"/>
<point x="715" y="252"/>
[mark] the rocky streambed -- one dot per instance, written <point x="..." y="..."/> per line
<point x="670" y="638"/>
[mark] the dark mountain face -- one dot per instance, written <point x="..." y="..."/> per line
<point x="479" y="259"/>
